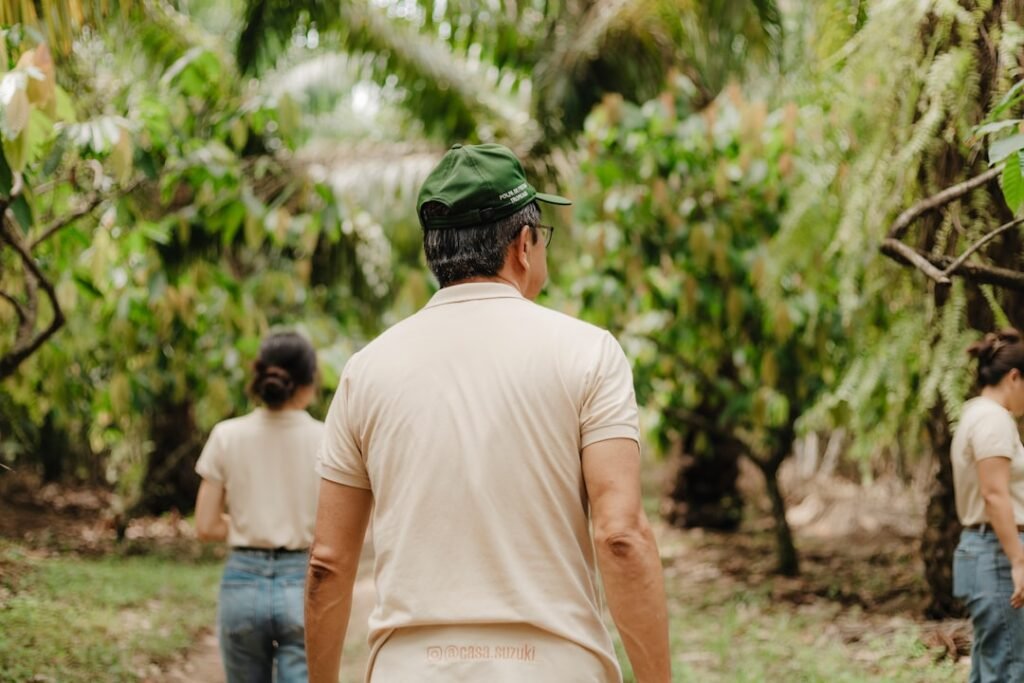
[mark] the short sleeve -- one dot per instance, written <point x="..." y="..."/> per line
<point x="994" y="435"/>
<point x="609" y="407"/>
<point x="211" y="461"/>
<point x="341" y="458"/>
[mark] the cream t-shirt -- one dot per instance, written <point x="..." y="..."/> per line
<point x="266" y="461"/>
<point x="986" y="430"/>
<point x="466" y="421"/>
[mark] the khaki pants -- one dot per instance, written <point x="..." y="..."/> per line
<point x="495" y="653"/>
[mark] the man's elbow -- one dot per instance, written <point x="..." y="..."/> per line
<point x="624" y="542"/>
<point x="326" y="561"/>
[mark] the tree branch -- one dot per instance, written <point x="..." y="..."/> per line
<point x="10" y="361"/>
<point x="902" y="252"/>
<point x="982" y="274"/>
<point x="57" y="225"/>
<point x="939" y="200"/>
<point x="28" y="325"/>
<point x="91" y="202"/>
<point x="960" y="260"/>
<point x="17" y="305"/>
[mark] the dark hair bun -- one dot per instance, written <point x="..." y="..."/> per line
<point x="997" y="354"/>
<point x="986" y="349"/>
<point x="287" y="361"/>
<point x="273" y="384"/>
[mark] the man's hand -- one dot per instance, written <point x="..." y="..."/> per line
<point x="341" y="519"/>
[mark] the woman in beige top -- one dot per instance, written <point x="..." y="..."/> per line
<point x="261" y="468"/>
<point x="988" y="476"/>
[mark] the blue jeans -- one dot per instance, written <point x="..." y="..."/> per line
<point x="260" y="620"/>
<point x="982" y="579"/>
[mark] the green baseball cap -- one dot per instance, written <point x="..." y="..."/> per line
<point x="480" y="184"/>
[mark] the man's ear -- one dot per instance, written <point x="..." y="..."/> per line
<point x="522" y="245"/>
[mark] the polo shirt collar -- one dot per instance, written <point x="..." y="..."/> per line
<point x="473" y="291"/>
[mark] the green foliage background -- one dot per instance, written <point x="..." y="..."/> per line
<point x="251" y="164"/>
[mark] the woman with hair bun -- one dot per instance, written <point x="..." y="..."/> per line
<point x="988" y="476"/>
<point x="261" y="467"/>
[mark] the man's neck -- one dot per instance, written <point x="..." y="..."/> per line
<point x="496" y="279"/>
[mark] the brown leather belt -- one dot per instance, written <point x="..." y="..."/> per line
<point x="985" y="526"/>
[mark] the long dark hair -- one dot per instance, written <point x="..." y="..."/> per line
<point x="287" y="361"/>
<point x="997" y="354"/>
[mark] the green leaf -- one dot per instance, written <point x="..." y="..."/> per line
<point x="87" y="286"/>
<point x="1012" y="97"/>
<point x="1000" y="149"/>
<point x="994" y="127"/>
<point x="53" y="159"/>
<point x="1013" y="182"/>
<point x="6" y="177"/>
<point x="158" y="232"/>
<point x="16" y="151"/>
<point x="234" y="216"/>
<point x="239" y="134"/>
<point x="65" y="107"/>
<point x="121" y="157"/>
<point x="22" y="211"/>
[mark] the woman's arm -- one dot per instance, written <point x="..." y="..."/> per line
<point x="994" y="478"/>
<point x="211" y="522"/>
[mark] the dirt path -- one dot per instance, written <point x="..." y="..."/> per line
<point x="202" y="664"/>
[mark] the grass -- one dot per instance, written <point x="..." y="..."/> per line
<point x="724" y="628"/>
<point x="98" y="619"/>
<point x="746" y="639"/>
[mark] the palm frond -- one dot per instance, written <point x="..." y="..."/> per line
<point x="268" y="25"/>
<point x="443" y="89"/>
<point x="372" y="175"/>
<point x="619" y="46"/>
<point x="564" y="54"/>
<point x="719" y="39"/>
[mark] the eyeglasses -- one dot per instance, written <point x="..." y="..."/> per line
<point x="546" y="231"/>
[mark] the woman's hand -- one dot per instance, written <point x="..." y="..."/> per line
<point x="1017" y="571"/>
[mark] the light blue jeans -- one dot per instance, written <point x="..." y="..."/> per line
<point x="260" y="620"/>
<point x="981" y="578"/>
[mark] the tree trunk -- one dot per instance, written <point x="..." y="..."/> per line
<point x="942" y="528"/>
<point x="951" y="163"/>
<point x="785" y="548"/>
<point x="54" y="449"/>
<point x="171" y="482"/>
<point x="704" y="493"/>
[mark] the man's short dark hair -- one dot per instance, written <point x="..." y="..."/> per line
<point x="455" y="254"/>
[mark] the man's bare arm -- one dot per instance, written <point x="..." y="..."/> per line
<point x="341" y="519"/>
<point x="627" y="556"/>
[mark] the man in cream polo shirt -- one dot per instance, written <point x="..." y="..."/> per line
<point x="496" y="444"/>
